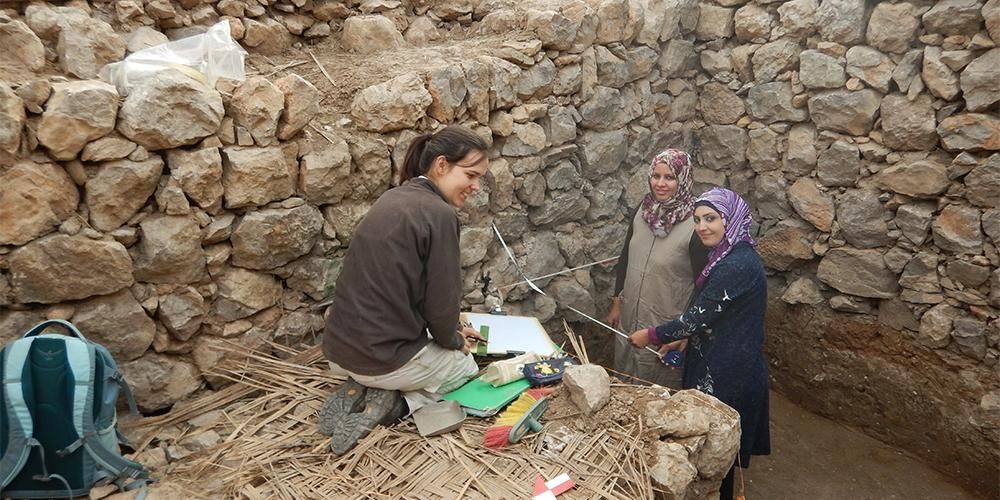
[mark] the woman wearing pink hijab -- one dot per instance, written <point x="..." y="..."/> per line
<point x="657" y="267"/>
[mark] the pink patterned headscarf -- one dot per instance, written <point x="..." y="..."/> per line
<point x="661" y="216"/>
<point x="736" y="215"/>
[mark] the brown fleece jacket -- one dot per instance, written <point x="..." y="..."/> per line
<point x="401" y="279"/>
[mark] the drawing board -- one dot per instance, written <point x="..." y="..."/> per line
<point x="511" y="334"/>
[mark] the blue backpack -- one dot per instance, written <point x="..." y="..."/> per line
<point x="58" y="435"/>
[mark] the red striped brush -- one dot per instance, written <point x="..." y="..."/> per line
<point x="522" y="415"/>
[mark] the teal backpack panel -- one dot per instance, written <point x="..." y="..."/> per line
<point x="58" y="435"/>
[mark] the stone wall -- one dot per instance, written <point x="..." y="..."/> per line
<point x="861" y="133"/>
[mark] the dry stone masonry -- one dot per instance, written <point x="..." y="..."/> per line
<point x="866" y="136"/>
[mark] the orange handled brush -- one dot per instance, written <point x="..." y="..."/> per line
<point x="522" y="415"/>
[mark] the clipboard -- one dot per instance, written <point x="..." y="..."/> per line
<point x="507" y="335"/>
<point x="481" y="399"/>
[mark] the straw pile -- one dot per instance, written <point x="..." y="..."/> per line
<point x="269" y="447"/>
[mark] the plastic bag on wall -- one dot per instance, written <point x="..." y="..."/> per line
<point x="205" y="57"/>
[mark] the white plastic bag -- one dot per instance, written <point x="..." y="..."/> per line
<point x="211" y="55"/>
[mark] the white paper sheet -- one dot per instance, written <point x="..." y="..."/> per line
<point x="512" y="334"/>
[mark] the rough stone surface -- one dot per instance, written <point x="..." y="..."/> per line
<point x="170" y="110"/>
<point x="393" y="105"/>
<point x="107" y="148"/>
<point x="117" y="322"/>
<point x="908" y="124"/>
<point x="86" y="45"/>
<point x="77" y="112"/>
<point x="256" y="106"/>
<point x="914" y="220"/>
<point x="893" y="27"/>
<point x="939" y="78"/>
<point x="368" y="34"/>
<point x="159" y="380"/>
<point x="785" y="248"/>
<point x="821" y="71"/>
<point x="980" y="81"/>
<point x="199" y="173"/>
<point x="919" y="179"/>
<point x="255" y="176"/>
<point x="956" y="229"/>
<point x="970" y="132"/>
<point x="862" y="219"/>
<point x="811" y="204"/>
<point x="169" y="251"/>
<point x="21" y="45"/>
<point x="841" y="21"/>
<point x="839" y="165"/>
<point x="719" y="105"/>
<point x="858" y="272"/>
<point x="982" y="184"/>
<point x="845" y="111"/>
<point x="870" y="66"/>
<point x="243" y="293"/>
<point x="301" y="105"/>
<point x="773" y="58"/>
<point x="270" y="238"/>
<point x="589" y="387"/>
<point x="772" y="102"/>
<point x="34" y="199"/>
<point x="950" y="17"/>
<point x="58" y="268"/>
<point x="118" y="189"/>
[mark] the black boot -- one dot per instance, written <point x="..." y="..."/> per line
<point x="348" y="398"/>
<point x="380" y="407"/>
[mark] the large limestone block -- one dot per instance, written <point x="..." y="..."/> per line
<point x="301" y="105"/>
<point x="970" y="132"/>
<point x="589" y="387"/>
<point x="267" y="35"/>
<point x="447" y="88"/>
<point x="957" y="229"/>
<point x="820" y="71"/>
<point x="954" y="17"/>
<point x="269" y="238"/>
<point x="845" y="111"/>
<point x="21" y="45"/>
<point x="982" y="185"/>
<point x="908" y="125"/>
<point x="714" y="22"/>
<point x="918" y="179"/>
<point x="798" y="17"/>
<point x="119" y="189"/>
<point x="159" y="380"/>
<point x="77" y="113"/>
<point x="870" y="66"/>
<point x="255" y="176"/>
<point x="774" y="58"/>
<point x="169" y="250"/>
<point x="325" y="175"/>
<point x="170" y="110"/>
<point x="369" y="34"/>
<point x="772" y="102"/>
<point x="85" y="47"/>
<point x="107" y="148"/>
<point x="939" y="78"/>
<point x="839" y="165"/>
<point x="243" y="293"/>
<point x="811" y="204"/>
<point x="34" y="199"/>
<point x="861" y="217"/>
<point x="393" y="105"/>
<point x="117" y="322"/>
<point x="719" y="105"/>
<point x="752" y="21"/>
<point x="784" y="248"/>
<point x="991" y="14"/>
<point x="181" y="311"/>
<point x="893" y="27"/>
<point x="914" y="220"/>
<point x="58" y="268"/>
<point x="602" y="152"/>
<point x="858" y="272"/>
<point x="723" y="147"/>
<point x="980" y="81"/>
<point x="841" y="21"/>
<point x="199" y="173"/>
<point x="671" y="471"/>
<point x="256" y="106"/>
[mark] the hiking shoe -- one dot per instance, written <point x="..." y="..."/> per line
<point x="380" y="407"/>
<point x="348" y="398"/>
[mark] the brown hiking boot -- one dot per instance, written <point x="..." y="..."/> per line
<point x="380" y="407"/>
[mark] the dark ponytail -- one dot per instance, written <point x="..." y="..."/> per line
<point x="452" y="142"/>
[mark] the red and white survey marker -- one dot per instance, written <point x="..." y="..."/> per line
<point x="547" y="490"/>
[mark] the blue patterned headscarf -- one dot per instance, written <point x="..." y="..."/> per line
<point x="736" y="216"/>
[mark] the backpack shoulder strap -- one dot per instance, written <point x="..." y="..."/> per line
<point x="40" y="328"/>
<point x="20" y="425"/>
<point x="82" y="356"/>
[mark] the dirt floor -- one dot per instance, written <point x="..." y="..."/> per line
<point x="814" y="457"/>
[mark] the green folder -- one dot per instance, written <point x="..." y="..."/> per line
<point x="481" y="399"/>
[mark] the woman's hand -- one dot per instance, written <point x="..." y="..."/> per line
<point x="470" y="338"/>
<point x="615" y="314"/>
<point x="677" y="345"/>
<point x="639" y="338"/>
